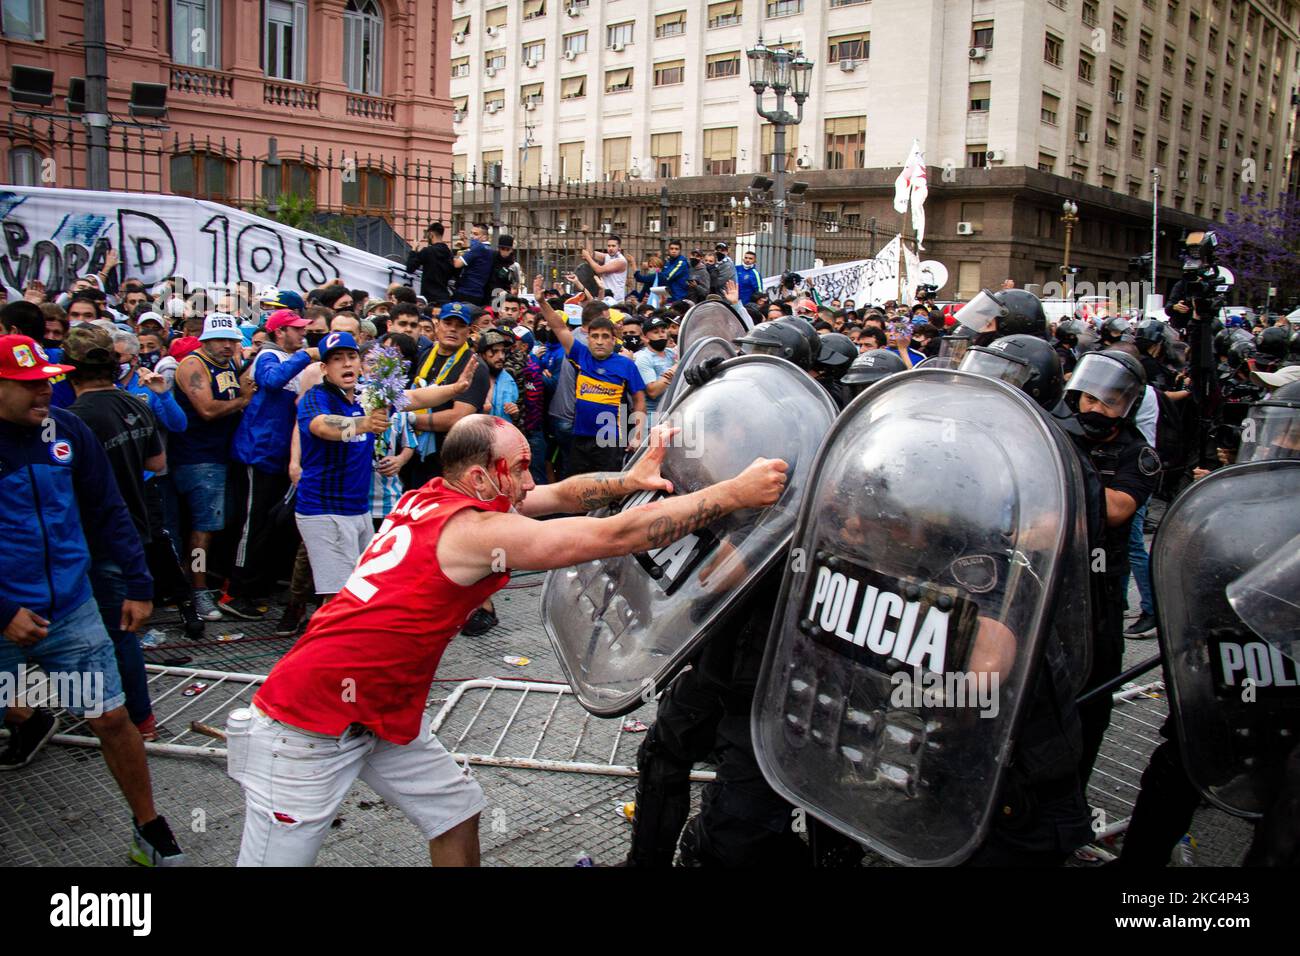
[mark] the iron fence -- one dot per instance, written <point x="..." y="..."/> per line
<point x="383" y="203"/>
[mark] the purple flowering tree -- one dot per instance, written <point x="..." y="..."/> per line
<point x="1261" y="245"/>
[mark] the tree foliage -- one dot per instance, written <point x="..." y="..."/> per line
<point x="1261" y="245"/>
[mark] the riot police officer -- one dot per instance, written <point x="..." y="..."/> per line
<point x="1103" y="397"/>
<point x="1008" y="312"/>
<point x="1073" y="338"/>
<point x="868" y="369"/>
<point x="1168" y="800"/>
<point x="705" y="711"/>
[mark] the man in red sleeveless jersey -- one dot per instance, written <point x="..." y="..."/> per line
<point x="348" y="699"/>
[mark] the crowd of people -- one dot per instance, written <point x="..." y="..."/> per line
<point x="172" y="445"/>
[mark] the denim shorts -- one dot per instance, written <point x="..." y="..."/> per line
<point x="203" y="486"/>
<point x="77" y="655"/>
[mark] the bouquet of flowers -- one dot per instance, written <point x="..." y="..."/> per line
<point x="385" y="387"/>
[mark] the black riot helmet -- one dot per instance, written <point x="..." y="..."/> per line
<point x="1009" y="312"/>
<point x="1272" y="427"/>
<point x="1224" y="340"/>
<point x="1115" y="330"/>
<point x="1149" y="332"/>
<point x="1075" y="333"/>
<point x="836" y="355"/>
<point x="1273" y="342"/>
<point x="1240" y="352"/>
<point x="869" y="368"/>
<point x="1112" y="377"/>
<point x="779" y="339"/>
<point x="806" y="329"/>
<point x="1025" y="361"/>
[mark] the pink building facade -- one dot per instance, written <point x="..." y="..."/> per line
<point x="353" y="92"/>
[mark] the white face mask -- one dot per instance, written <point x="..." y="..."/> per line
<point x="499" y="493"/>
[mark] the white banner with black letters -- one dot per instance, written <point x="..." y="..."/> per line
<point x="866" y="281"/>
<point x="56" y="235"/>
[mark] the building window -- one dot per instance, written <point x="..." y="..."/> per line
<point x="783" y="8"/>
<point x="196" y="32"/>
<point x="1116" y="88"/>
<point x="1050" y="108"/>
<point x="718" y="65"/>
<point x="459" y="165"/>
<point x="534" y="9"/>
<point x="531" y="95"/>
<point x="666" y="152"/>
<point x="460" y="67"/>
<point x="670" y="24"/>
<point x="1168" y="60"/>
<point x="530" y="173"/>
<point x="968" y="279"/>
<point x="846" y="142"/>
<point x="460" y="27"/>
<point x="571" y="161"/>
<point x="1140" y="95"/>
<point x="1089" y="13"/>
<point x="768" y="151"/>
<point x="619" y="34"/>
<point x="1185" y="121"/>
<point x="534" y="51"/>
<point x="1112" y="132"/>
<point x="24" y="166"/>
<point x="284" y="47"/>
<point x="1162" y="152"/>
<point x="977" y="156"/>
<point x="489" y="159"/>
<point x="494" y="101"/>
<point x="1144" y="45"/>
<point x="1086" y="68"/>
<point x="1189" y="73"/>
<point x="726" y="14"/>
<point x="371" y="191"/>
<point x="1046" y="163"/>
<point x="1082" y="122"/>
<point x="616" y="156"/>
<point x="575" y="43"/>
<point x="494" y="60"/>
<point x="1166" y="105"/>
<point x="619" y="80"/>
<point x="24" y="19"/>
<point x="1139" y="144"/>
<point x="1052" y="49"/>
<point x="203" y="175"/>
<point x="1205" y="127"/>
<point x="1119" y="29"/>
<point x="363" y="47"/>
<point x="460" y="105"/>
<point x="670" y="73"/>
<point x="981" y="34"/>
<point x="720" y="151"/>
<point x="980" y="96"/>
<point x="494" y="20"/>
<point x="573" y="88"/>
<point x="973" y="213"/>
<point x="856" y="46"/>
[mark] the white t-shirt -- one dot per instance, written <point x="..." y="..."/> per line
<point x="1148" y="414"/>
<point x="616" y="282"/>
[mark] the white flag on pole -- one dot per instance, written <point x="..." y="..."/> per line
<point x="912" y="186"/>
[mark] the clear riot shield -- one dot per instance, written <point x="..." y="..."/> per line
<point x="712" y="319"/>
<point x="1267" y="598"/>
<point x="929" y="549"/>
<point x="1236" y="694"/>
<point x="623" y="626"/>
<point x="700" y="351"/>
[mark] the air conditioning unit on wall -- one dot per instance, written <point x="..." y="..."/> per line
<point x="977" y="53"/>
<point x="965" y="229"/>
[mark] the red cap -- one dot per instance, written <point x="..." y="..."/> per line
<point x="23" y="360"/>
<point x="183" y="347"/>
<point x="285" y="319"/>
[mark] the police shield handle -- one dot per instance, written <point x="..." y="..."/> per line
<point x="25" y="628"/>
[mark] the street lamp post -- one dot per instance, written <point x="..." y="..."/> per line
<point x="782" y="72"/>
<point x="1069" y="216"/>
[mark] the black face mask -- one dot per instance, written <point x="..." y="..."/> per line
<point x="542" y="336"/>
<point x="150" y="359"/>
<point x="1096" y="425"/>
<point x="48" y="344"/>
<point x="632" y="343"/>
<point x="657" y="344"/>
<point x="314" y="338"/>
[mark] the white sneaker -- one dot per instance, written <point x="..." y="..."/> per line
<point x="206" y="607"/>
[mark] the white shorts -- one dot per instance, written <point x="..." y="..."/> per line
<point x="294" y="782"/>
<point x="334" y="543"/>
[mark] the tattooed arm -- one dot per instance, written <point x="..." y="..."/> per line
<point x="193" y="379"/>
<point x="476" y="542"/>
<point x="344" y="428"/>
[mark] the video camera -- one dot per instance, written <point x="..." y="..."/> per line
<point x="790" y="280"/>
<point x="927" y="292"/>
<point x="1202" y="280"/>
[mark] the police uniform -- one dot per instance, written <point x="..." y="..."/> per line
<point x="1128" y="464"/>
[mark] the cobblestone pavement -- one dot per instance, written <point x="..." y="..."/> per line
<point x="64" y="809"/>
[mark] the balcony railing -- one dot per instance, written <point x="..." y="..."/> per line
<point x="368" y="107"/>
<point x="189" y="79"/>
<point x="291" y="95"/>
